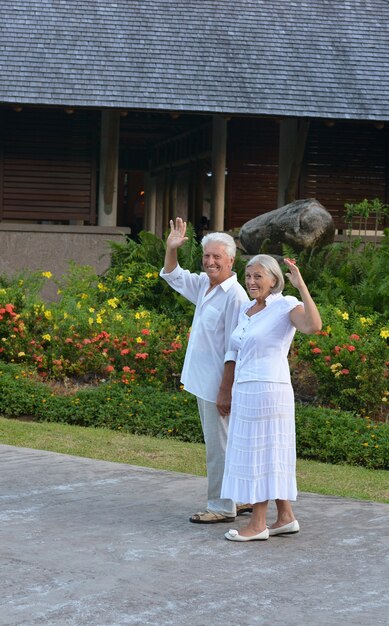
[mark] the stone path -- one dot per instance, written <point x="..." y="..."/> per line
<point x="93" y="543"/>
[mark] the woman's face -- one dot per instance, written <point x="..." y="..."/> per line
<point x="258" y="282"/>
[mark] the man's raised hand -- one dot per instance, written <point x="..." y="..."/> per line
<point x="176" y="236"/>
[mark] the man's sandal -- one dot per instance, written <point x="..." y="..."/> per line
<point x="241" y="509"/>
<point x="209" y="517"/>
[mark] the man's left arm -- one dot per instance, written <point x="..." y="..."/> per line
<point x="223" y="401"/>
<point x="233" y="305"/>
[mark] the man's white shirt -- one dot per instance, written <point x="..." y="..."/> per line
<point x="216" y="316"/>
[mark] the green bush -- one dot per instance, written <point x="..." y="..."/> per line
<point x="341" y="438"/>
<point x="352" y="274"/>
<point x="321" y="434"/>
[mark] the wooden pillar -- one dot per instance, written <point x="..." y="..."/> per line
<point x="199" y="192"/>
<point x="293" y="138"/>
<point x="219" y="156"/>
<point x="159" y="200"/>
<point x="150" y="203"/>
<point x="109" y="166"/>
<point x="287" y="142"/>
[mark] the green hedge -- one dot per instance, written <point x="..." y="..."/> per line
<point x="322" y="434"/>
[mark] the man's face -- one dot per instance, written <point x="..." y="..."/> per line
<point x="216" y="263"/>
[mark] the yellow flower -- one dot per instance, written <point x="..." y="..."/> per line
<point x="113" y="302"/>
<point x="335" y="366"/>
<point x="366" y="321"/>
<point x="384" y="333"/>
<point x="328" y="329"/>
<point x="48" y="315"/>
<point x="99" y="319"/>
<point x="3" y="292"/>
<point x="101" y="287"/>
<point x="47" y="274"/>
<point x="129" y="279"/>
<point x="384" y="399"/>
<point x="65" y="315"/>
<point x="118" y="317"/>
<point x="365" y="444"/>
<point x="91" y="309"/>
<point x="21" y="354"/>
<point x="149" y="275"/>
<point x="137" y="316"/>
<point x="345" y="316"/>
<point x="120" y="278"/>
<point x="84" y="296"/>
<point x="78" y="305"/>
<point x="90" y="321"/>
<point x="46" y="337"/>
<point x="139" y="340"/>
<point x="21" y="283"/>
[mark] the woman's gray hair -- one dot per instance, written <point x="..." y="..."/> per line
<point x="223" y="238"/>
<point x="271" y="267"/>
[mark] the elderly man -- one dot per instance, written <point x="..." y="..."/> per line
<point x="208" y="369"/>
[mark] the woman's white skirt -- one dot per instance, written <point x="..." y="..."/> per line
<point x="261" y="449"/>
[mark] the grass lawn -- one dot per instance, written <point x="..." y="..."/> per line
<point x="172" y="455"/>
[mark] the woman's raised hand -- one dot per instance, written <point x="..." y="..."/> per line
<point x="294" y="273"/>
<point x="177" y="234"/>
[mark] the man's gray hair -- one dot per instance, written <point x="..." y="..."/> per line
<point x="271" y="267"/>
<point x="223" y="238"/>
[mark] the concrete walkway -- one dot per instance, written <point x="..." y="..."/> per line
<point x="93" y="543"/>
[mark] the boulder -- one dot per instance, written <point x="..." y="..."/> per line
<point x="301" y="224"/>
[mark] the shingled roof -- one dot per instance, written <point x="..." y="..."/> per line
<point x="315" y="58"/>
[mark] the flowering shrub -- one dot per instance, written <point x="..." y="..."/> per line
<point x="350" y="359"/>
<point x="84" y="334"/>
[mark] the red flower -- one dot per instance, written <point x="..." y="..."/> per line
<point x="327" y="358"/>
<point x="109" y="368"/>
<point x="355" y="337"/>
<point x="145" y="331"/>
<point x="345" y="372"/>
<point x="316" y="351"/>
<point x="350" y="348"/>
<point x="337" y="349"/>
<point x="10" y="309"/>
<point x="125" y="351"/>
<point x="141" y="355"/>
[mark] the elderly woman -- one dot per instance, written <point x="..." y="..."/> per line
<point x="261" y="450"/>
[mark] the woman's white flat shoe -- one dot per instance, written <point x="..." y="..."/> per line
<point x="287" y="529"/>
<point x="233" y="535"/>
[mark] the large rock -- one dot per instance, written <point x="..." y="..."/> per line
<point x="301" y="224"/>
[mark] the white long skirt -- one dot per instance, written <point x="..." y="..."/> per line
<point x="261" y="449"/>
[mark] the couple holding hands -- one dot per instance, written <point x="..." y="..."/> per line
<point x="236" y="364"/>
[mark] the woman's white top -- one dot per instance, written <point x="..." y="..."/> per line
<point x="263" y="341"/>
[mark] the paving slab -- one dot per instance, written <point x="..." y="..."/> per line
<point x="93" y="543"/>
